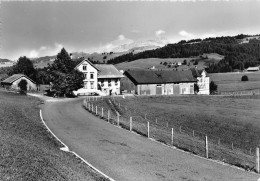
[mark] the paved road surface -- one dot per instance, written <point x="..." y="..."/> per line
<point x="126" y="156"/>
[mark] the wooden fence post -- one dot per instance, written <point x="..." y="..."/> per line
<point x="144" y="116"/>
<point x="96" y="110"/>
<point x="108" y="115"/>
<point x="117" y="119"/>
<point x="172" y="136"/>
<point x="131" y="124"/>
<point x="257" y="160"/>
<point x="193" y="133"/>
<point x="148" y="129"/>
<point x="102" y="113"/>
<point x="180" y="129"/>
<point x="206" y="147"/>
<point x="156" y="120"/>
<point x="167" y="124"/>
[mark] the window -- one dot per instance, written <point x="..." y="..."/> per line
<point x="84" y="67"/>
<point x="91" y="75"/>
<point x="102" y="83"/>
<point x="85" y="85"/>
<point x="109" y="82"/>
<point x="85" y="75"/>
<point x="116" y="82"/>
<point x="91" y="85"/>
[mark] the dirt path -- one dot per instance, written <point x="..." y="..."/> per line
<point x="126" y="156"/>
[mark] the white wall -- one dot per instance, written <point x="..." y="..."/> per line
<point x="203" y="83"/>
<point x="106" y="87"/>
<point x="30" y="84"/>
<point x="88" y="81"/>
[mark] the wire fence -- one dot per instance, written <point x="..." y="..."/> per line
<point x="240" y="93"/>
<point x="178" y="136"/>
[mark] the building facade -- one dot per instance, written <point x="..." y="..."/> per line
<point x="149" y="82"/>
<point x="99" y="79"/>
<point x="11" y="83"/>
<point x="203" y="81"/>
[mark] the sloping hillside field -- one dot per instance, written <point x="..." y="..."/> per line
<point x="230" y="123"/>
<point x="28" y="151"/>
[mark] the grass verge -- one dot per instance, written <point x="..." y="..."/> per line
<point x="28" y="151"/>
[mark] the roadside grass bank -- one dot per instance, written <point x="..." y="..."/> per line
<point x="28" y="151"/>
<point x="230" y="123"/>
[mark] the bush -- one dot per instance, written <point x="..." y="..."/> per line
<point x="23" y="86"/>
<point x="196" y="88"/>
<point x="244" y="78"/>
<point x="213" y="87"/>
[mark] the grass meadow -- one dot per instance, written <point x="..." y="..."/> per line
<point x="231" y="82"/>
<point x="28" y="151"/>
<point x="231" y="123"/>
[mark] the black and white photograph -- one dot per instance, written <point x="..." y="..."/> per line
<point x="131" y="90"/>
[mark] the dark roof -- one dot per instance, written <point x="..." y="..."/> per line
<point x="197" y="72"/>
<point x="108" y="71"/>
<point x="159" y="77"/>
<point x="14" y="77"/>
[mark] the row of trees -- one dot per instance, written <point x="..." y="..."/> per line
<point x="61" y="75"/>
<point x="237" y="56"/>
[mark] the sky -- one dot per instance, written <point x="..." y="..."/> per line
<point x="36" y="29"/>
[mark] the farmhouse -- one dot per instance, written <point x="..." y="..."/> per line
<point x="149" y="82"/>
<point x="253" y="69"/>
<point x="202" y="80"/>
<point x="99" y="79"/>
<point x="13" y="81"/>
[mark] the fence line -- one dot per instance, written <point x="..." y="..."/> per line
<point x="184" y="138"/>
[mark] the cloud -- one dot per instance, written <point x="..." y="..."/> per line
<point x="45" y="51"/>
<point x="135" y="31"/>
<point x="159" y="33"/>
<point x="110" y="46"/>
<point x="121" y="37"/>
<point x="186" y="35"/>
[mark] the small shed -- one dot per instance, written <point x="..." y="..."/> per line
<point x="253" y="69"/>
<point x="13" y="81"/>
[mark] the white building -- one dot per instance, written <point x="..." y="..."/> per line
<point x="102" y="79"/>
<point x="203" y="80"/>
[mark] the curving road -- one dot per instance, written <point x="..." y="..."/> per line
<point x="126" y="156"/>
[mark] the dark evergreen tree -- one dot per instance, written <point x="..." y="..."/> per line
<point x="24" y="66"/>
<point x="64" y="78"/>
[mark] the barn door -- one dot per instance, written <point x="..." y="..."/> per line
<point x="159" y="89"/>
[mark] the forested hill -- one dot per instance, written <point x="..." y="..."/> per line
<point x="240" y="52"/>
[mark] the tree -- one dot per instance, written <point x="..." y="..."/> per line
<point x="196" y="62"/>
<point x="24" y="66"/>
<point x="196" y="88"/>
<point x="184" y="62"/>
<point x="213" y="87"/>
<point x="244" y="78"/>
<point x="64" y="78"/>
<point x="23" y="86"/>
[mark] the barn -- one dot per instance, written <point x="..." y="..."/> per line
<point x="13" y="81"/>
<point x="150" y="82"/>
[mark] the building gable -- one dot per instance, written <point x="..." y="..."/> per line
<point x="87" y="63"/>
